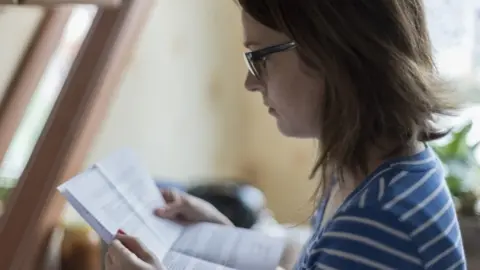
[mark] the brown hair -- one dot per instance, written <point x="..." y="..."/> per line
<point x="381" y="80"/>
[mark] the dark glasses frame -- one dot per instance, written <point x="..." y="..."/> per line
<point x="255" y="60"/>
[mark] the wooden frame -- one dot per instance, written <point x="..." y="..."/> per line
<point x="35" y="206"/>
<point x="102" y="3"/>
<point x="29" y="73"/>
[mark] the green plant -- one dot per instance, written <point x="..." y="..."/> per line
<point x="462" y="167"/>
<point x="5" y="189"/>
<point x="4" y="192"/>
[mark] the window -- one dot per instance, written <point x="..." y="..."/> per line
<point x="455" y="32"/>
<point x="34" y="209"/>
<point x="43" y="99"/>
<point x="455" y="35"/>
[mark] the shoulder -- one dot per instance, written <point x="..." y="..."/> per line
<point x="403" y="218"/>
<point x="373" y="238"/>
<point x="364" y="238"/>
<point x="422" y="202"/>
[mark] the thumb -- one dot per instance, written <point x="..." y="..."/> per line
<point x="135" y="247"/>
<point x="120" y="255"/>
<point x="170" y="211"/>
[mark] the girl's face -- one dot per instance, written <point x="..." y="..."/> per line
<point x="290" y="91"/>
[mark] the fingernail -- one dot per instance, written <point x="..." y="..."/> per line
<point x="120" y="231"/>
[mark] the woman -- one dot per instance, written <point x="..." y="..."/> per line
<point x="359" y="77"/>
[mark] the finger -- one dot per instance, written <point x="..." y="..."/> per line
<point x="170" y="195"/>
<point x="108" y="260"/>
<point x="170" y="212"/>
<point x="175" y="204"/>
<point x="134" y="246"/>
<point x="120" y="254"/>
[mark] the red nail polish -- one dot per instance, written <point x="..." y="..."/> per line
<point x="120" y="231"/>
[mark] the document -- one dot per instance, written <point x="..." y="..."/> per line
<point x="179" y="261"/>
<point x="118" y="193"/>
<point x="233" y="247"/>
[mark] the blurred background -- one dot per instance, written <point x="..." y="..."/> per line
<point x="181" y="105"/>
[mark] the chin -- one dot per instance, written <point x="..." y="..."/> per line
<point x="290" y="131"/>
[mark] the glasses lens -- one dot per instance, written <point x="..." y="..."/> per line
<point x="251" y="66"/>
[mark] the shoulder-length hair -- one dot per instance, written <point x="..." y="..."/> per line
<point x="381" y="81"/>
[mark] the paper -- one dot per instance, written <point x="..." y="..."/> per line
<point x="91" y="220"/>
<point x="234" y="247"/>
<point x="118" y="193"/>
<point x="97" y="199"/>
<point x="127" y="175"/>
<point x="177" y="261"/>
<point x="106" y="193"/>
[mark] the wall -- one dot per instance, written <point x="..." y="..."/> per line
<point x="182" y="106"/>
<point x="176" y="104"/>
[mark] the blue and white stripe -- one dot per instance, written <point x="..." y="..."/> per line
<point x="402" y="217"/>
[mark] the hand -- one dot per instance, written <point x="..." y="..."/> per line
<point x="185" y="208"/>
<point x="126" y="253"/>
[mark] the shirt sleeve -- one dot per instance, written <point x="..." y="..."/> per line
<point x="363" y="238"/>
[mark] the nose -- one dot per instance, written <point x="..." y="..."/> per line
<point x="252" y="83"/>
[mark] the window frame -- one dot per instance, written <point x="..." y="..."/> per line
<point x="34" y="207"/>
<point x="50" y="3"/>
<point x="29" y="73"/>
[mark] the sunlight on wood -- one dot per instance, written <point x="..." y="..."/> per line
<point x="102" y="3"/>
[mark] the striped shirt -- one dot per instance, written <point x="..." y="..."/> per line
<point x="401" y="217"/>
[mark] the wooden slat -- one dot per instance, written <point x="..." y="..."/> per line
<point x="102" y="3"/>
<point x="35" y="206"/>
<point x="29" y="74"/>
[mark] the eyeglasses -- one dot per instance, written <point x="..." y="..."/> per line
<point x="255" y="60"/>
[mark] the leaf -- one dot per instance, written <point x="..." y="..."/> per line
<point x="4" y="192"/>
<point x="441" y="152"/>
<point x="458" y="147"/>
<point x="460" y="161"/>
<point x="455" y="185"/>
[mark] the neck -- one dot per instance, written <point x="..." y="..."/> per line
<point x="386" y="149"/>
<point x="377" y="155"/>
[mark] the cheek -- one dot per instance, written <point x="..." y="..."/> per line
<point x="297" y="98"/>
<point x="311" y="89"/>
<point x="297" y="92"/>
<point x="281" y="95"/>
<point x="282" y="85"/>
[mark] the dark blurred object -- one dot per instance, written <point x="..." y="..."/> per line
<point x="470" y="228"/>
<point x="241" y="203"/>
